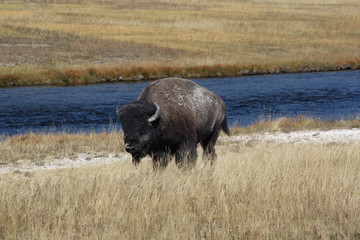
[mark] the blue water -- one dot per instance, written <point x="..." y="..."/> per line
<point x="331" y="95"/>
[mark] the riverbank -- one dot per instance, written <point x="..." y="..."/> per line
<point x="67" y="43"/>
<point x="106" y="75"/>
<point x="90" y="158"/>
<point x="39" y="148"/>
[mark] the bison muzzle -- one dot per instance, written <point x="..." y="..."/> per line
<point x="170" y="117"/>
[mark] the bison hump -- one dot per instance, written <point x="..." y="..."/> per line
<point x="185" y="103"/>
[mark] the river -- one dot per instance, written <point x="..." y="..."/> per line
<point x="328" y="95"/>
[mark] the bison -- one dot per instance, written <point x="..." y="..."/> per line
<point x="170" y="117"/>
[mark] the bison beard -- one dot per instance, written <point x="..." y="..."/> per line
<point x="170" y="118"/>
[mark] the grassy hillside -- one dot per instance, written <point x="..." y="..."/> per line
<point x="71" y="41"/>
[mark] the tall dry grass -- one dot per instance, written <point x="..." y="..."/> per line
<point x="299" y="123"/>
<point x="71" y="34"/>
<point x="41" y="147"/>
<point x="255" y="191"/>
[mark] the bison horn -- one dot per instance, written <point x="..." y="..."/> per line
<point x="156" y="115"/>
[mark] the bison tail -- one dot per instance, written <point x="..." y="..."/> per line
<point x="225" y="127"/>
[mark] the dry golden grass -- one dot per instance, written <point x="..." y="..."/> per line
<point x="70" y="34"/>
<point x="299" y="123"/>
<point x="40" y="147"/>
<point x="255" y="191"/>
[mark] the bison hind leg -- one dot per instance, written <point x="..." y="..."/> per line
<point x="208" y="145"/>
<point x="186" y="155"/>
<point x="160" y="159"/>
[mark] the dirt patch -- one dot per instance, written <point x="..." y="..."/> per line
<point x="52" y="48"/>
<point x="156" y="5"/>
<point x="80" y="160"/>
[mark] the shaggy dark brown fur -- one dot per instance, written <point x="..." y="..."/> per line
<point x="189" y="114"/>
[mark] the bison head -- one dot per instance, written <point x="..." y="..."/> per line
<point x="138" y="121"/>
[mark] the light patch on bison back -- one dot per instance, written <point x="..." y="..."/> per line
<point x="171" y="97"/>
<point x="179" y="96"/>
<point x="198" y="101"/>
<point x="202" y="102"/>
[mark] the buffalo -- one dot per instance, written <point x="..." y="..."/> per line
<point x="169" y="118"/>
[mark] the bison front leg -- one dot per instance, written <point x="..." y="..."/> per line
<point x="135" y="160"/>
<point x="160" y="159"/>
<point x="186" y="155"/>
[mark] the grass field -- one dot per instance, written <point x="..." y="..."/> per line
<point x="256" y="190"/>
<point x="74" y="42"/>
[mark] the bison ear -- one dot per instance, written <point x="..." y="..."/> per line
<point x="156" y="114"/>
<point x="118" y="110"/>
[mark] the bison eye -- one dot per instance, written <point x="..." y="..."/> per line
<point x="145" y="137"/>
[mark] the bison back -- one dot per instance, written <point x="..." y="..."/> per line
<point x="186" y="108"/>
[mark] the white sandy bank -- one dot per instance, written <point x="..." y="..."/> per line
<point x="336" y="136"/>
